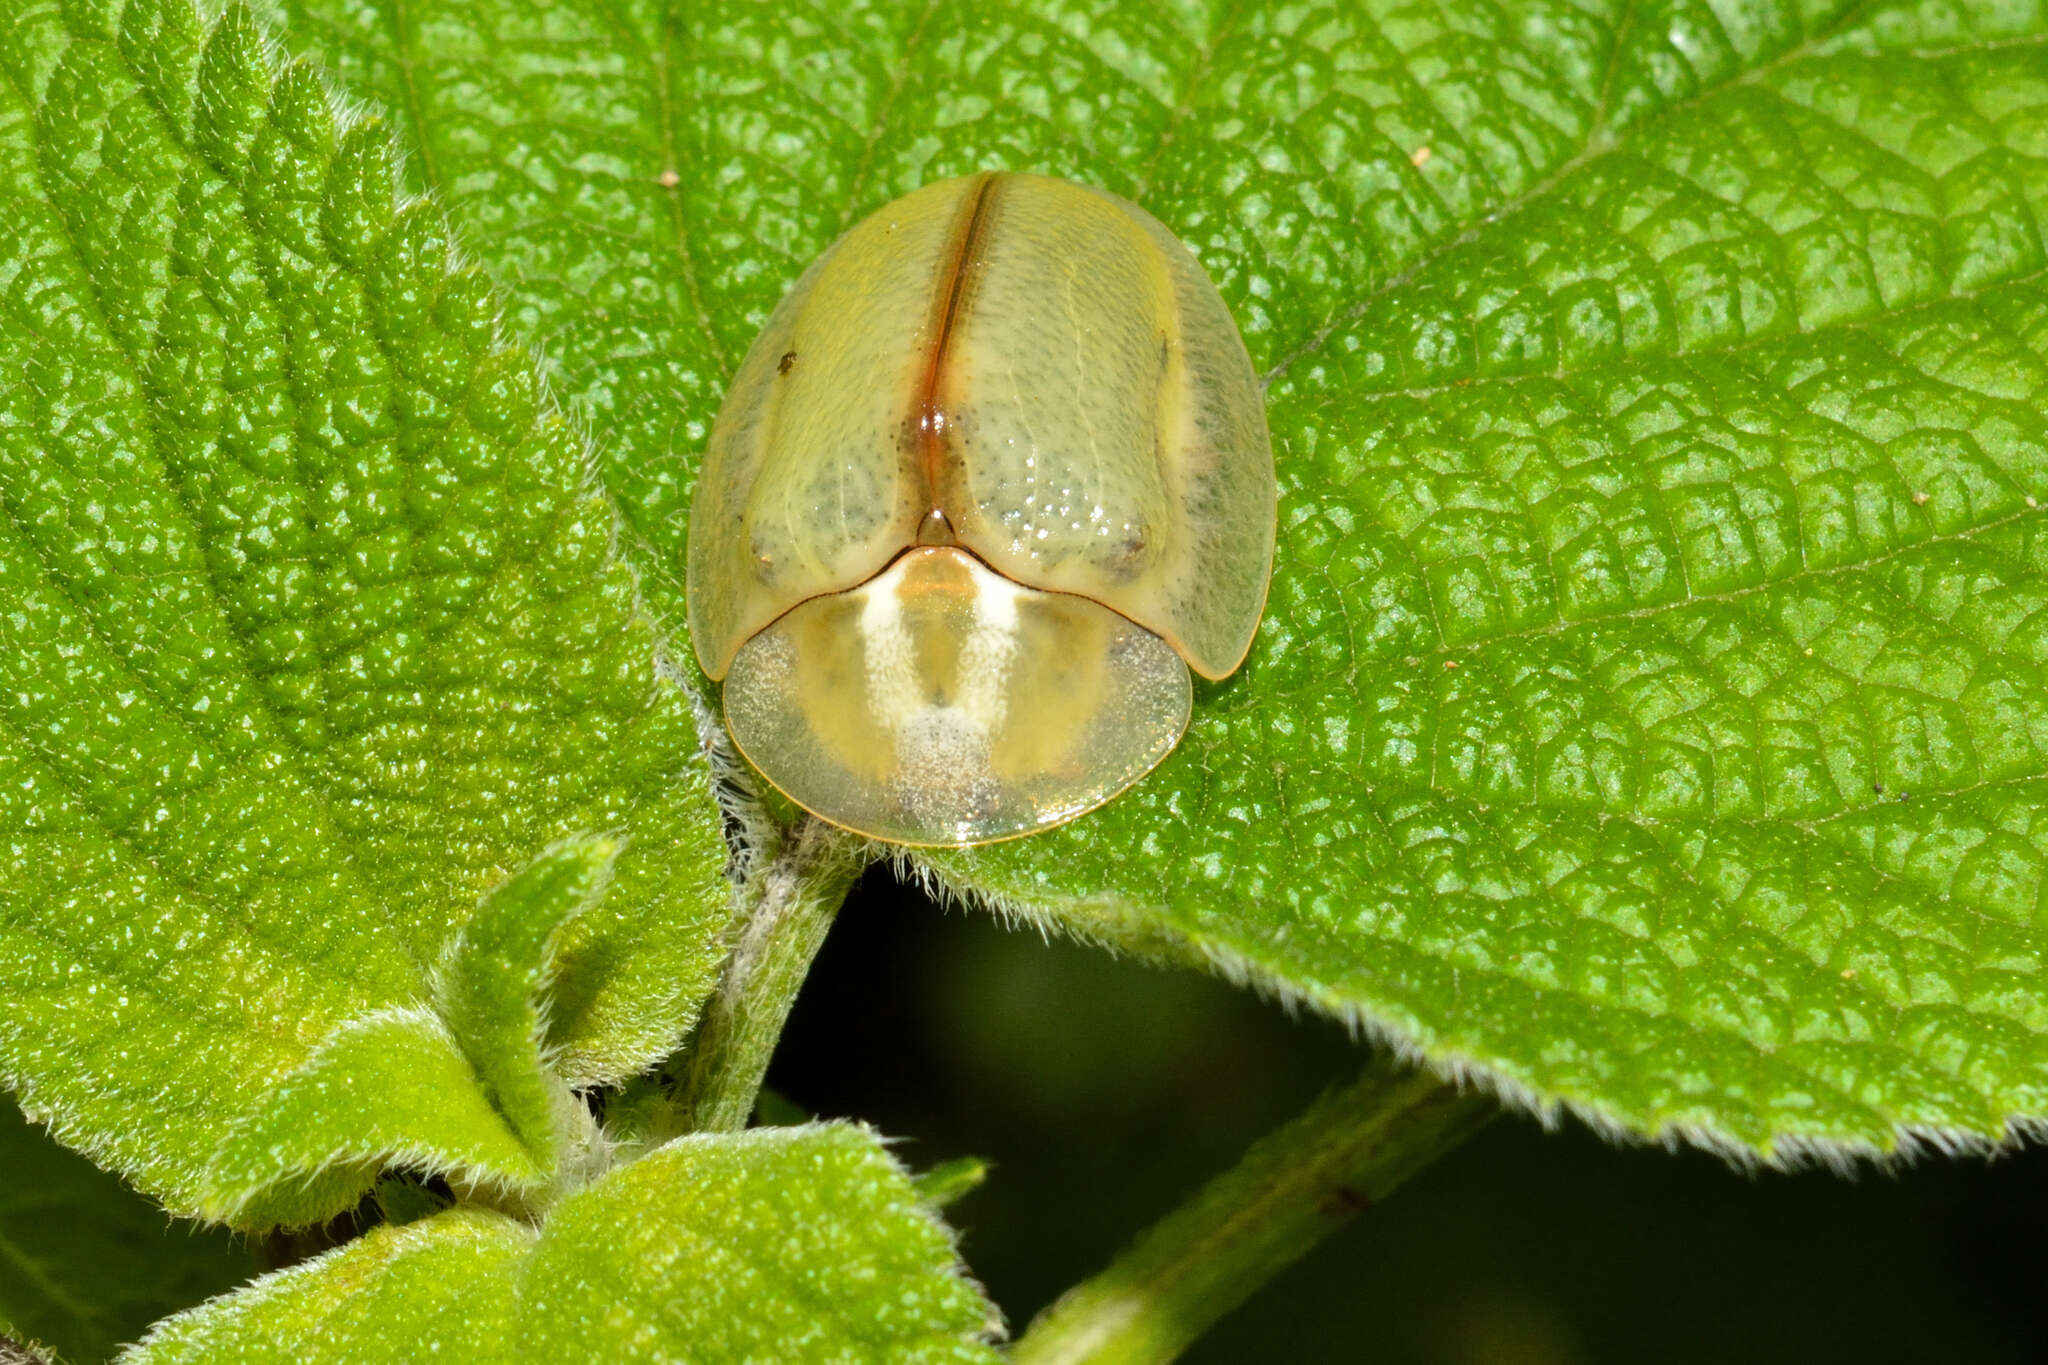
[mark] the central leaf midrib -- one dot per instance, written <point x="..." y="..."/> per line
<point x="670" y="19"/>
<point x="879" y="124"/>
<point x="29" y="750"/>
<point x="1177" y="113"/>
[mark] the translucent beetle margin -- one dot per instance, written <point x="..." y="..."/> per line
<point x="992" y="479"/>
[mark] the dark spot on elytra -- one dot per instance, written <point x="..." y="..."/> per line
<point x="787" y="363"/>
<point x="1124" y="559"/>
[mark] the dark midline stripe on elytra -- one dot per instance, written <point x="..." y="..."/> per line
<point x="953" y="286"/>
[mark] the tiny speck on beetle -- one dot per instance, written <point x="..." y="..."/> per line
<point x="1848" y="973"/>
<point x="787" y="363"/>
<point x="1420" y="156"/>
<point x="668" y="179"/>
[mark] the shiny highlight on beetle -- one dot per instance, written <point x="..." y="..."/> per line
<point x="952" y="706"/>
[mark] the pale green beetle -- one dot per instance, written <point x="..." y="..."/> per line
<point x="994" y="469"/>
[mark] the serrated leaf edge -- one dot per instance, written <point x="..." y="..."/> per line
<point x="1104" y="922"/>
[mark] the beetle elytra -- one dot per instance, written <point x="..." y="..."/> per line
<point x="993" y="478"/>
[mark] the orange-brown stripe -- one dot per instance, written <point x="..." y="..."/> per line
<point x="962" y="256"/>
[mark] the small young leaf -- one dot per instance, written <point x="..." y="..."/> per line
<point x="464" y="1088"/>
<point x="492" y="981"/>
<point x="393" y="1087"/>
<point x="949" y="1180"/>
<point x="780" y="1244"/>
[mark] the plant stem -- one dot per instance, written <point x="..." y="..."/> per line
<point x="796" y="896"/>
<point x="1294" y="1187"/>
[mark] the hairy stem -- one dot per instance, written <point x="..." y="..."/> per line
<point x="1294" y="1187"/>
<point x="794" y="899"/>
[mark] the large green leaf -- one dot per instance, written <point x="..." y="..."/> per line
<point x="86" y="1264"/>
<point x="310" y="636"/>
<point x="1649" y="716"/>
<point x="781" y="1244"/>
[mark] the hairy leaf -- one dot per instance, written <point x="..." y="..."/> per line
<point x="1650" y="713"/>
<point x="86" y="1264"/>
<point x="464" y="1083"/>
<point x="779" y="1244"/>
<point x="497" y="969"/>
<point x="310" y="636"/>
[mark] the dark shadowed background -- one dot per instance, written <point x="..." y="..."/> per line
<point x="1103" y="1090"/>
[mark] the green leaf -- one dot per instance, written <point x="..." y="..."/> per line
<point x="494" y="973"/>
<point x="951" y="1180"/>
<point x="86" y="1264"/>
<point x="1650" y="716"/>
<point x="312" y="637"/>
<point x="466" y="1083"/>
<point x="392" y="1087"/>
<point x="779" y="1244"/>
